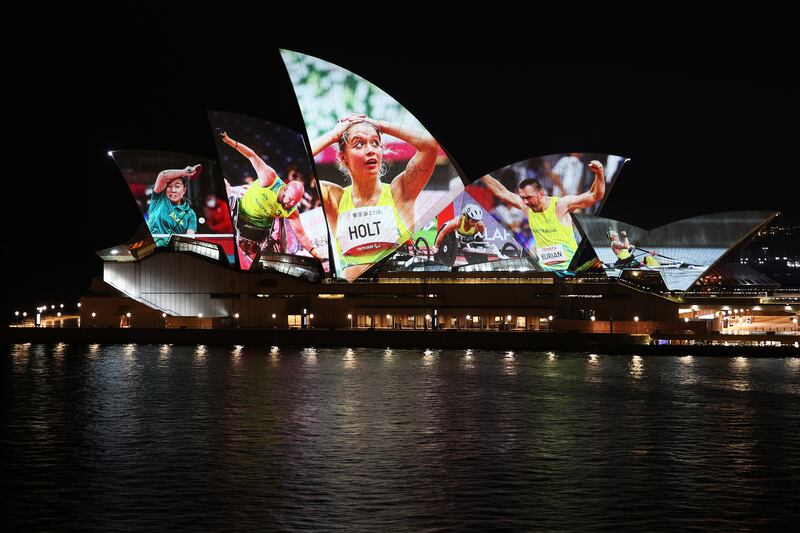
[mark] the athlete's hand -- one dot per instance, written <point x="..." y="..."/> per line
<point x="623" y="234"/>
<point x="223" y="135"/>
<point x="344" y="123"/>
<point x="193" y="172"/>
<point x="596" y="167"/>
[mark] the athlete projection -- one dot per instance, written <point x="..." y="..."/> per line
<point x="461" y="234"/>
<point x="382" y="175"/>
<point x="680" y="252"/>
<point x="272" y="193"/>
<point x="536" y="198"/>
<point x="178" y="194"/>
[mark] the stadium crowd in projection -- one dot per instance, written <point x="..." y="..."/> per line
<point x="369" y="190"/>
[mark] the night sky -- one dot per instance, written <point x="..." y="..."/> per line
<point x="704" y="109"/>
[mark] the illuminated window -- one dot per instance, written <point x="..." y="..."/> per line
<point x="294" y="320"/>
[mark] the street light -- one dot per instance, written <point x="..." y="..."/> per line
<point x="309" y="319"/>
<point x="350" y="317"/>
<point x="427" y="319"/>
<point x="388" y="320"/>
<point x="469" y="322"/>
<point x="636" y="320"/>
<point x="79" y="305"/>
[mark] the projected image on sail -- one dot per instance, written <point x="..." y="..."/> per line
<point x="680" y="252"/>
<point x="536" y="199"/>
<point x="271" y="189"/>
<point x="382" y="174"/>
<point x="179" y="195"/>
<point x="461" y="234"/>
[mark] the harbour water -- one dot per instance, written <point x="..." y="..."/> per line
<point x="121" y="437"/>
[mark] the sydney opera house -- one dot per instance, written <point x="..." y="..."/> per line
<point x="365" y="221"/>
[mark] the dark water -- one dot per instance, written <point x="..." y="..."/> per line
<point x="142" y="436"/>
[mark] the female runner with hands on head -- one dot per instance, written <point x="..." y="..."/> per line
<point x="369" y="216"/>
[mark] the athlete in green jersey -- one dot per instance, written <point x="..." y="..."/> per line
<point x="549" y="216"/>
<point x="266" y="199"/>
<point x="169" y="212"/>
<point x="370" y="218"/>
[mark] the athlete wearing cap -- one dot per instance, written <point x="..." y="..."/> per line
<point x="267" y="198"/>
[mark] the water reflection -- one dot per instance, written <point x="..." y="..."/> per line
<point x="200" y="353"/>
<point x="310" y="356"/>
<point x="468" y="362"/>
<point x="740" y="379"/>
<point x="274" y="356"/>
<point x="349" y="359"/>
<point x="637" y="367"/>
<point x="418" y="444"/>
<point x="509" y="364"/>
<point x="236" y="354"/>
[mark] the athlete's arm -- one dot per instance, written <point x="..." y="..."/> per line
<point x="503" y="194"/>
<point x="327" y="139"/>
<point x="165" y="177"/>
<point x="481" y="230"/>
<point x="410" y="182"/>
<point x="448" y="228"/>
<point x="266" y="174"/>
<point x="300" y="232"/>
<point x="572" y="202"/>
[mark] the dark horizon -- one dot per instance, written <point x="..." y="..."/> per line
<point x="708" y="125"/>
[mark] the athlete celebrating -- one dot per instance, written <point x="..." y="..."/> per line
<point x="549" y="216"/>
<point x="267" y="198"/>
<point x="369" y="217"/>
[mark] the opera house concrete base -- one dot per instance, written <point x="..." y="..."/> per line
<point x="619" y="344"/>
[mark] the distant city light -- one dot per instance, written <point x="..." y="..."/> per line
<point x="110" y="153"/>
<point x="636" y="319"/>
<point x="592" y="318"/>
<point x="79" y="305"/>
<point x="114" y="251"/>
<point x="94" y="314"/>
<point x="58" y="314"/>
<point x="16" y="313"/>
<point x="163" y="315"/>
<point x="128" y="315"/>
<point x="236" y="315"/>
<point x="200" y="315"/>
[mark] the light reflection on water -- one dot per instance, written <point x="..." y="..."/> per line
<point x="161" y="436"/>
